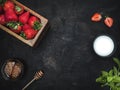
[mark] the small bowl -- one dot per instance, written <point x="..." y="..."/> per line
<point x="104" y="46"/>
<point x="12" y="69"/>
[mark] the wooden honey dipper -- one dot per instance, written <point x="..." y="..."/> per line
<point x="37" y="76"/>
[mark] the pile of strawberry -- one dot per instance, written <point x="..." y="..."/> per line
<point x="18" y="20"/>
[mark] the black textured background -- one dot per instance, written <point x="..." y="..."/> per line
<point x="65" y="53"/>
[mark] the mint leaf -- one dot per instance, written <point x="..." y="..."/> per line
<point x="117" y="62"/>
<point x="110" y="72"/>
<point x="116" y="79"/>
<point x="111" y="78"/>
<point x="104" y="73"/>
<point x="115" y="71"/>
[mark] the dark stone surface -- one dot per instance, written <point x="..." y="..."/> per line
<point x="65" y="53"/>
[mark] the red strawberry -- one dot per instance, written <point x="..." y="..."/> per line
<point x="96" y="17"/>
<point x="2" y="19"/>
<point x="35" y="22"/>
<point x="19" y="9"/>
<point x="8" y="5"/>
<point x="108" y="21"/>
<point x="17" y="30"/>
<point x="26" y="26"/>
<point x="15" y="27"/>
<point x="10" y="15"/>
<point x="1" y="9"/>
<point x="30" y="33"/>
<point x="23" y="18"/>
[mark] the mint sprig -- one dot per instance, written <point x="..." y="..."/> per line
<point x="111" y="78"/>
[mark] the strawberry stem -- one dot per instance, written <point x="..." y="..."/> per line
<point x="13" y="25"/>
<point x="18" y="8"/>
<point x="37" y="25"/>
<point x="22" y="34"/>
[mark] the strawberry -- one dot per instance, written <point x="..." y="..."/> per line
<point x="1" y="9"/>
<point x="2" y="19"/>
<point x="26" y="26"/>
<point x="10" y="15"/>
<point x="19" y="9"/>
<point x="35" y="22"/>
<point x="23" y="18"/>
<point x="96" y="17"/>
<point x="29" y="33"/>
<point x="15" y="27"/>
<point x="8" y="5"/>
<point x="108" y="21"/>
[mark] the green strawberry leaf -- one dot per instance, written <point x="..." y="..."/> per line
<point x="22" y="34"/>
<point x="13" y="25"/>
<point x="37" y="25"/>
<point x="18" y="8"/>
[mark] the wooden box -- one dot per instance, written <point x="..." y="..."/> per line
<point x="33" y="41"/>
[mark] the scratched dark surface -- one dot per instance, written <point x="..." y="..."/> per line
<point x="65" y="54"/>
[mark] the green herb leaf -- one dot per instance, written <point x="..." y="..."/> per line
<point x="104" y="73"/>
<point x="111" y="78"/>
<point x="115" y="71"/>
<point x="117" y="62"/>
<point x="111" y="72"/>
<point x="116" y="79"/>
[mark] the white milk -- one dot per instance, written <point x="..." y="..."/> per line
<point x="103" y="45"/>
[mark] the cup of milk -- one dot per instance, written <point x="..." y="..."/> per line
<point x="104" y="46"/>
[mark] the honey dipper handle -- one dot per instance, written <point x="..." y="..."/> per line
<point x="29" y="83"/>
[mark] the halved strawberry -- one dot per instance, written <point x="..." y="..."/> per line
<point x="108" y="21"/>
<point x="96" y="17"/>
<point x="2" y="19"/>
<point x="35" y="22"/>
<point x="28" y="33"/>
<point x="8" y="5"/>
<point x="10" y="15"/>
<point x="23" y="18"/>
<point x="19" y="9"/>
<point x="15" y="27"/>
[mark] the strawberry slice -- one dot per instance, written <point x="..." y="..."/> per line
<point x="108" y="21"/>
<point x="35" y="23"/>
<point x="19" y="9"/>
<point x="96" y="17"/>
<point x="28" y="34"/>
<point x="15" y="27"/>
<point x="23" y="18"/>
<point x="8" y="5"/>
<point x="2" y="19"/>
